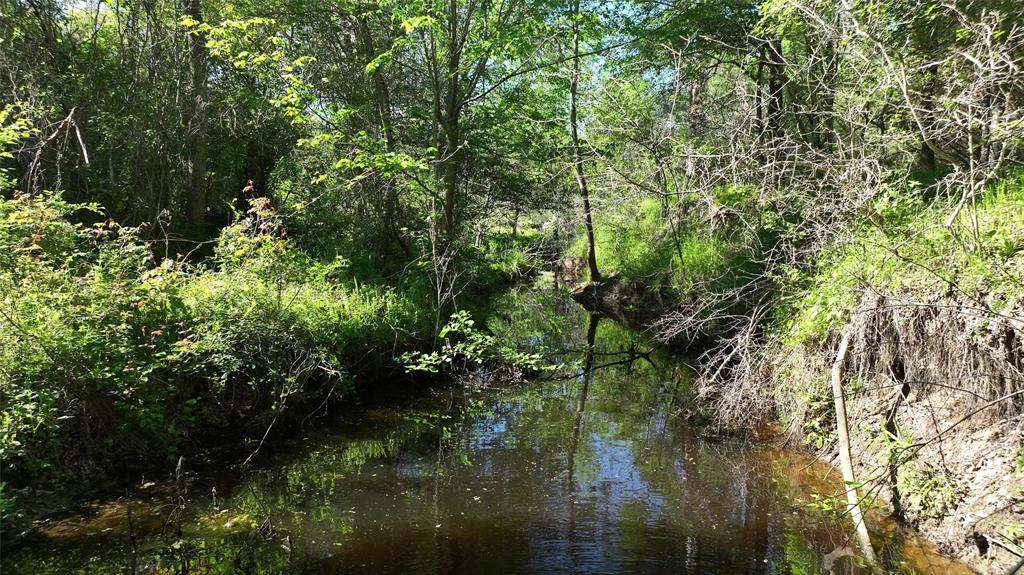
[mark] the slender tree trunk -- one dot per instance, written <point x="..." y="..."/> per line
<point x="197" y="125"/>
<point x="926" y="157"/>
<point x="381" y="93"/>
<point x="697" y="116"/>
<point x="845" y="460"/>
<point x="577" y="154"/>
<point x="826" y="122"/>
<point x="452" y="131"/>
<point x="452" y="169"/>
<point x="382" y="101"/>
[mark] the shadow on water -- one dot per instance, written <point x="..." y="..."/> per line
<point x="590" y="469"/>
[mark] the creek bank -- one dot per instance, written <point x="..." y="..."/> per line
<point x="641" y="306"/>
<point x="937" y="422"/>
<point x="224" y="453"/>
<point x="934" y="404"/>
<point x="935" y="417"/>
<point x="631" y="303"/>
<point x="488" y="472"/>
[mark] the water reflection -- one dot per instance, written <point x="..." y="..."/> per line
<point x="581" y="405"/>
<point x="590" y="471"/>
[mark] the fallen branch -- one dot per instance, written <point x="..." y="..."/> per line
<point x="845" y="461"/>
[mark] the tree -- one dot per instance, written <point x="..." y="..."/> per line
<point x="198" y="118"/>
<point x="460" y="45"/>
<point x="577" y="153"/>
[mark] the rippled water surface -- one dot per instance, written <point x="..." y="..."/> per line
<point x="590" y="469"/>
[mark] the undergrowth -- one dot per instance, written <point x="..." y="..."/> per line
<point x="909" y="250"/>
<point x="906" y="258"/>
<point x="641" y="244"/>
<point x="108" y="351"/>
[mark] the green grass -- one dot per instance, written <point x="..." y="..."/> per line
<point x="910" y="252"/>
<point x="510" y="257"/>
<point x="638" y="244"/>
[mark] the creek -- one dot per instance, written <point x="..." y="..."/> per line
<point x="590" y="467"/>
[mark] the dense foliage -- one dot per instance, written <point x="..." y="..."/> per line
<point x="112" y="351"/>
<point x="216" y="212"/>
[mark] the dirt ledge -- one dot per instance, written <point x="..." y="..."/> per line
<point x="937" y="421"/>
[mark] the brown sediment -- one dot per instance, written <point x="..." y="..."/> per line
<point x="811" y="479"/>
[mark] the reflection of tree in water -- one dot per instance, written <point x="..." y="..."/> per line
<point x="581" y="405"/>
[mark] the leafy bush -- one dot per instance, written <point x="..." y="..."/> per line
<point x="107" y="351"/>
<point x="465" y="346"/>
<point x="87" y="322"/>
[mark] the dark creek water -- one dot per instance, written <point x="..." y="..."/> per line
<point x="584" y="471"/>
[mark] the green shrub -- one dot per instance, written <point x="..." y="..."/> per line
<point x="108" y="352"/>
<point x="87" y="323"/>
<point x="465" y="346"/>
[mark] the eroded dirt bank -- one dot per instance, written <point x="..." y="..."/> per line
<point x="935" y="398"/>
<point x="935" y="401"/>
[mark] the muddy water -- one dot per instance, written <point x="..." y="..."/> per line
<point x="591" y="468"/>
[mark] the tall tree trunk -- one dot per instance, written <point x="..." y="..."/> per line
<point x="830" y="79"/>
<point x="197" y="125"/>
<point x="577" y="154"/>
<point x="452" y="171"/>
<point x="382" y="101"/>
<point x="381" y="93"/>
<point x="696" y="115"/>
<point x="759" y="94"/>
<point x="926" y="157"/>
<point x="452" y="132"/>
